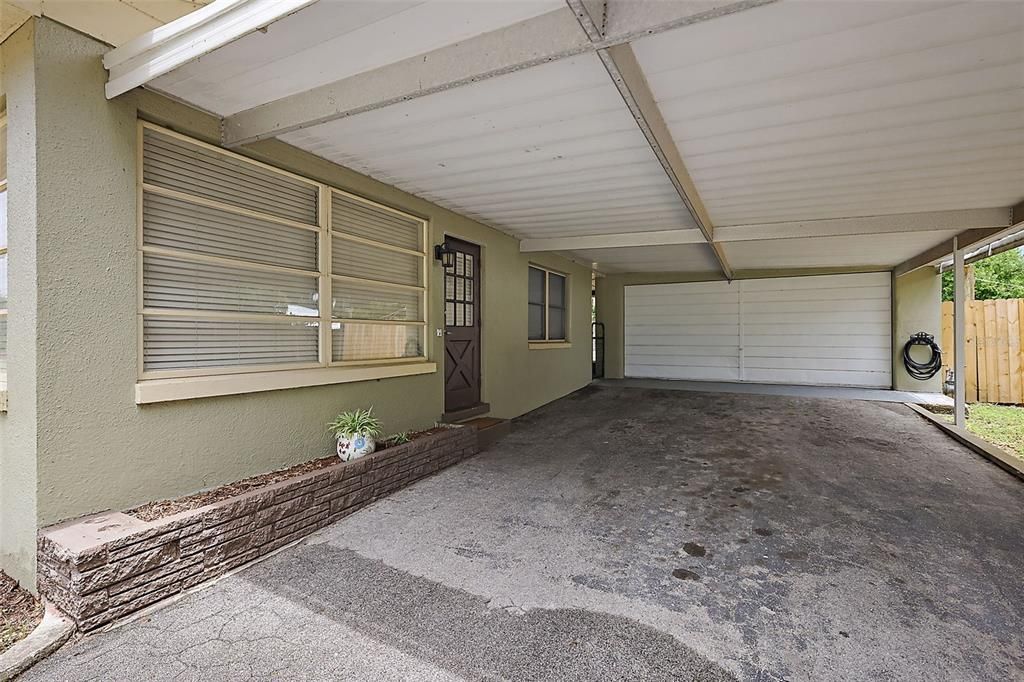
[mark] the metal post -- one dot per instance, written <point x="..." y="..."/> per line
<point x="960" y="362"/>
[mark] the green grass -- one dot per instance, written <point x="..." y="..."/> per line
<point x="1001" y="425"/>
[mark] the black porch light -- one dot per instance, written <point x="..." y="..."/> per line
<point x="445" y="255"/>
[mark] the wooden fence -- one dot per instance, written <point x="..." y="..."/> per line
<point x="993" y="345"/>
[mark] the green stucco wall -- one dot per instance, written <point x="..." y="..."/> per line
<point x="79" y="433"/>
<point x="917" y="307"/>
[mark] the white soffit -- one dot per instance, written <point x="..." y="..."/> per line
<point x="875" y="250"/>
<point x="549" y="151"/>
<point x="331" y="40"/>
<point x="803" y="110"/>
<point x="673" y="258"/>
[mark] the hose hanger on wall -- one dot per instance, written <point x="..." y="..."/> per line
<point x="922" y="371"/>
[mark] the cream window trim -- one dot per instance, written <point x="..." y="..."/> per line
<point x="158" y="385"/>
<point x="549" y="345"/>
<point x="188" y="388"/>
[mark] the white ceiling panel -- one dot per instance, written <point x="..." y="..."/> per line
<point x="331" y="40"/>
<point x="881" y="250"/>
<point x="673" y="258"/>
<point x="797" y="111"/>
<point x="545" y="152"/>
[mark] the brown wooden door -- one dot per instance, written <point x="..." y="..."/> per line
<point x="462" y="326"/>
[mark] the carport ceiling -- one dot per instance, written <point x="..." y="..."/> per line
<point x="625" y="133"/>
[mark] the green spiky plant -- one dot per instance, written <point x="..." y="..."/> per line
<point x="356" y="421"/>
<point x="399" y="438"/>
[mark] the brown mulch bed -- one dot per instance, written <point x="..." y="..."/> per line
<point x="158" y="510"/>
<point x="20" y="612"/>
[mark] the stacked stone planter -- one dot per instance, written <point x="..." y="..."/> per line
<point x="106" y="566"/>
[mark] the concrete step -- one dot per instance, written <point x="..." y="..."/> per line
<point x="460" y="416"/>
<point x="490" y="430"/>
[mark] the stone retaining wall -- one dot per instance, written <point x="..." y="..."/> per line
<point x="103" y="567"/>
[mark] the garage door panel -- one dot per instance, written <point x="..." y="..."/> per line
<point x="820" y="312"/>
<point x="707" y="361"/>
<point x="694" y="373"/>
<point x="639" y="331"/>
<point x="680" y="350"/>
<point x="800" y="341"/>
<point x="834" y="364"/>
<point x="657" y="318"/>
<point x="820" y="378"/>
<point x="726" y="343"/>
<point x="816" y="329"/>
<point x="851" y="352"/>
<point x="782" y="307"/>
<point x="832" y="329"/>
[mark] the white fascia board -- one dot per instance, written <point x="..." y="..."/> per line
<point x="882" y="224"/>
<point x="186" y="39"/>
<point x="611" y="241"/>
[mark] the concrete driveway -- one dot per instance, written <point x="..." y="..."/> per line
<point x="625" y="533"/>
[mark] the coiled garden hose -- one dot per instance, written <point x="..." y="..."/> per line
<point x="922" y="371"/>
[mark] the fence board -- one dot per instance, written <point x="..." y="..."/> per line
<point x="1002" y="350"/>
<point x="1013" y="350"/>
<point x="970" y="350"/>
<point x="991" y="351"/>
<point x="978" y="310"/>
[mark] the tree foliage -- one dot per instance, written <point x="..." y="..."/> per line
<point x="1001" y="276"/>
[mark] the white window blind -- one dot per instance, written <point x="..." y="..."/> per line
<point x="378" y="259"/>
<point x="243" y="269"/>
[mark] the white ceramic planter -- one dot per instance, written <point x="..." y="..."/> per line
<point x="355" y="445"/>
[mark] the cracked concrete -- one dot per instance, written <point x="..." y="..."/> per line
<point x="629" y="533"/>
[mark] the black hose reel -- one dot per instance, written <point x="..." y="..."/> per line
<point x="922" y="371"/>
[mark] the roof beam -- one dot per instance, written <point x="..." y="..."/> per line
<point x="881" y="224"/>
<point x="185" y="39"/>
<point x="804" y="229"/>
<point x="624" y="69"/>
<point x="609" y="241"/>
<point x="546" y="38"/>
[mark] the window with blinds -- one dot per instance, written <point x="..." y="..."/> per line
<point x="245" y="268"/>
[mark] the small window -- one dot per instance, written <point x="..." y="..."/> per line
<point x="548" y="309"/>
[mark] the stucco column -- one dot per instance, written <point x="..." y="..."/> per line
<point x="917" y="307"/>
<point x="608" y="306"/>
<point x="18" y="427"/>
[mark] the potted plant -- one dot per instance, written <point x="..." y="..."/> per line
<point x="357" y="433"/>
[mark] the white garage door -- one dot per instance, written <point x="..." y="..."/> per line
<point x="829" y="330"/>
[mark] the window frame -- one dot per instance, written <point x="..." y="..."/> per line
<point x="547" y="341"/>
<point x="176" y="384"/>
